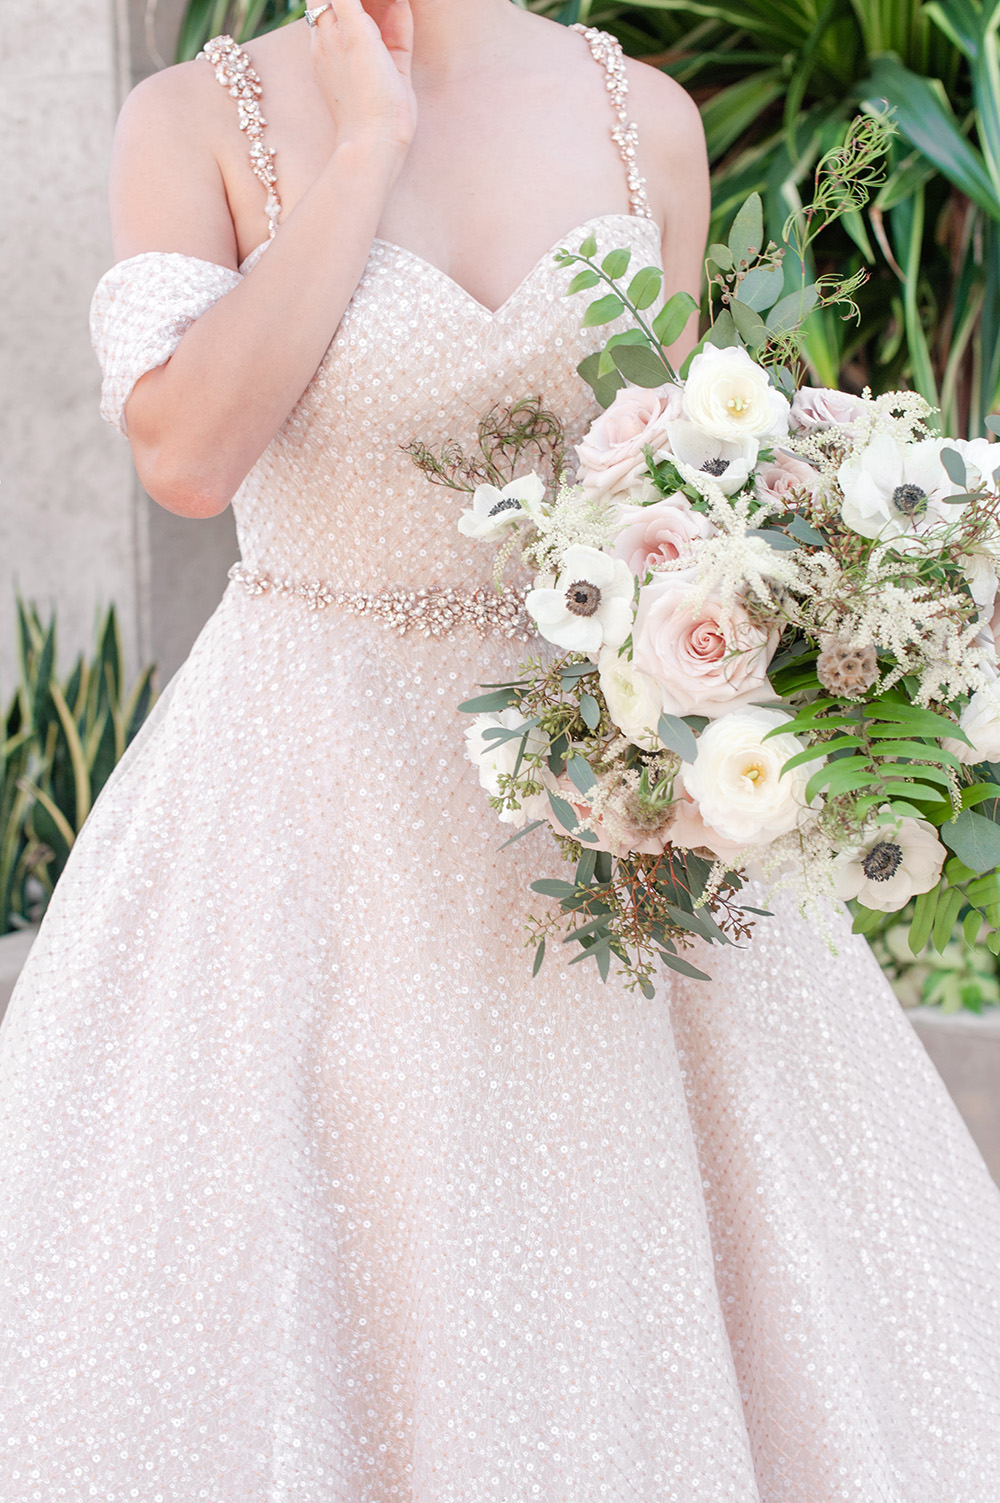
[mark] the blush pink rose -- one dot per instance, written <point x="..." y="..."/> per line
<point x="782" y="476"/>
<point x="611" y="455"/>
<point x="707" y="662"/>
<point x="658" y="534"/>
<point x="819" y="406"/>
<point x="690" y="832"/>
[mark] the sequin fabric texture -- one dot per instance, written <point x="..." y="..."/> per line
<point x="311" y="1195"/>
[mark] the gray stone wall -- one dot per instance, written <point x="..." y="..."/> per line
<point x="76" y="530"/>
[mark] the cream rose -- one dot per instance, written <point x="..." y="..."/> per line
<point x="707" y="662"/>
<point x="736" y="778"/>
<point x="633" y="699"/>
<point x="730" y="396"/>
<point x="492" y="759"/>
<point x="611" y="455"/>
<point x="822" y="407"/>
<point x="658" y="534"/>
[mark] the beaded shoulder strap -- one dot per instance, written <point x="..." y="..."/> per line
<point x="607" y="51"/>
<point x="235" y="72"/>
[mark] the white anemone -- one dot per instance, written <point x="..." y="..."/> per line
<point x="495" y="511"/>
<point x="892" y="490"/>
<point x="729" y="461"/>
<point x="590" y="604"/>
<point x="892" y="866"/>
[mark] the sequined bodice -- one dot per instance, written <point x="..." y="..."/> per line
<point x="416" y="359"/>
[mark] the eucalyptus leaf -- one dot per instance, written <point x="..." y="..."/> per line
<point x="723" y="333"/>
<point x="553" y="887"/>
<point x="539" y="957"/>
<point x="761" y="287"/>
<point x="677" y="736"/>
<point x="793" y="310"/>
<point x="580" y="771"/>
<point x="590" y="711"/>
<point x="955" y="466"/>
<point x="974" y="839"/>
<point x="747" y="234"/>
<point x="801" y="529"/>
<point x="500" y="699"/>
<point x="992" y="421"/>
<point x="774" y="538"/>
<point x="721" y="255"/>
<point x="750" y="326"/>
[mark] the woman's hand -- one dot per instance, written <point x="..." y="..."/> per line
<point x="363" y="71"/>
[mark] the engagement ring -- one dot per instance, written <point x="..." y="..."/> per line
<point x="313" y="15"/>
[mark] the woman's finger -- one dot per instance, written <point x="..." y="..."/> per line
<point x="397" y="34"/>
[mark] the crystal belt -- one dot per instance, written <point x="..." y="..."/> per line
<point x="430" y="612"/>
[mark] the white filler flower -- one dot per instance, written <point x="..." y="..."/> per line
<point x="493" y="759"/>
<point x="729" y="396"/>
<point x="590" y="605"/>
<point x="892" y="489"/>
<point x="495" y="511"/>
<point x="893" y="866"/>
<point x="729" y="461"/>
<point x="736" y="777"/>
<point x="633" y="699"/>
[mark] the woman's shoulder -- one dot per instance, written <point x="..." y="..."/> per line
<point x="671" y="140"/>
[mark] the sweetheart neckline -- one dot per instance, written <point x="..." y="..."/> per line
<point x="488" y="313"/>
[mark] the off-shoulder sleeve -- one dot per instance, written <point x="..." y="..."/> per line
<point x="139" y="312"/>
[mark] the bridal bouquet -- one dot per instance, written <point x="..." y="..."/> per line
<point x="772" y="622"/>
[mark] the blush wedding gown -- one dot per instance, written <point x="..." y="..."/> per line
<point x="310" y="1194"/>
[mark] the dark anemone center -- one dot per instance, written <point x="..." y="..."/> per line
<point x="506" y="503"/>
<point x="910" y="500"/>
<point x="715" y="466"/>
<point x="882" y="861"/>
<point x="583" y="598"/>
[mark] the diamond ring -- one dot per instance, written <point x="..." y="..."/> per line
<point x="313" y="15"/>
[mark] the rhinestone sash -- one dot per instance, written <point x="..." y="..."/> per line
<point x="429" y="612"/>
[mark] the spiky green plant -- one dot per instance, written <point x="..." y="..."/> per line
<point x="61" y="740"/>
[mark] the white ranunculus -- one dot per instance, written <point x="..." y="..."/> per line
<point x="633" y="699"/>
<point x="590" y="604"/>
<point x="894" y="490"/>
<point x="494" y="511"/>
<point x="895" y="864"/>
<point x="729" y="461"/>
<point x="736" y="777"/>
<point x="729" y="396"/>
<point x="980" y="720"/>
<point x="493" y="759"/>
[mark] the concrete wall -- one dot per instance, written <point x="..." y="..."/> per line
<point x="76" y="531"/>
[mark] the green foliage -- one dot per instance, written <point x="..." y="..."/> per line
<point x="60" y="741"/>
<point x="960" y="973"/>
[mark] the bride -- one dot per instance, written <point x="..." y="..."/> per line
<point x="310" y="1193"/>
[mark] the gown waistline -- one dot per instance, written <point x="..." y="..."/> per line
<point x="431" y="612"/>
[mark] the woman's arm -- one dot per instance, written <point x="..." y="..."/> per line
<point x="672" y="154"/>
<point x="198" y="423"/>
